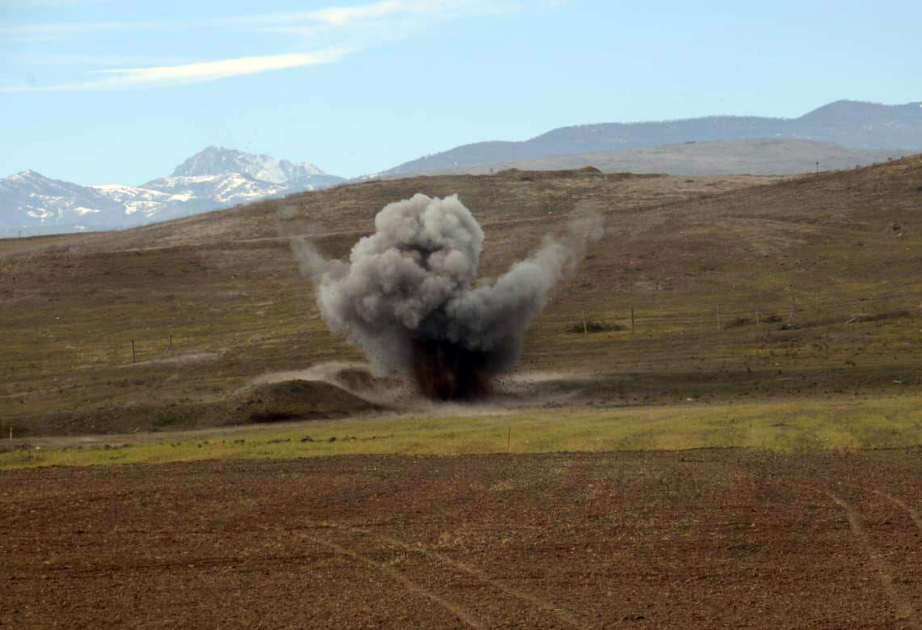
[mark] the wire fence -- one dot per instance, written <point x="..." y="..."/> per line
<point x="897" y="302"/>
<point x="675" y="328"/>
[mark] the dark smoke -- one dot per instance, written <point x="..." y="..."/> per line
<point x="407" y="295"/>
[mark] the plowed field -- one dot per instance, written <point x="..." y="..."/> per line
<point x="691" y="539"/>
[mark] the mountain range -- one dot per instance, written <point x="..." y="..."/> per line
<point x="214" y="178"/>
<point x="759" y="156"/>
<point x="850" y="124"/>
<point x="839" y="135"/>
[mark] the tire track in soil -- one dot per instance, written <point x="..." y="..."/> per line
<point x="913" y="514"/>
<point x="407" y="583"/>
<point x="476" y="573"/>
<point x="880" y="567"/>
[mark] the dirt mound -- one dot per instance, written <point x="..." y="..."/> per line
<point x="298" y="400"/>
<point x="361" y="379"/>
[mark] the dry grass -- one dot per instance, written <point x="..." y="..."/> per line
<point x="226" y="288"/>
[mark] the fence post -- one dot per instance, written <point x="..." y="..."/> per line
<point x="793" y="312"/>
<point x="758" y="319"/>
<point x="585" y="330"/>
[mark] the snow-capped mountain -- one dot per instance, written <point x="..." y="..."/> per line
<point x="227" y="188"/>
<point x="218" y="161"/>
<point x="29" y="198"/>
<point x="211" y="179"/>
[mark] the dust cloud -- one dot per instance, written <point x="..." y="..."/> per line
<point x="409" y="295"/>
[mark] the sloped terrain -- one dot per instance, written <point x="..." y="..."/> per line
<point x="740" y="287"/>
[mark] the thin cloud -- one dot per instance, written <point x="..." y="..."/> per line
<point x="345" y="16"/>
<point x="193" y="73"/>
<point x="336" y="31"/>
<point x="329" y="17"/>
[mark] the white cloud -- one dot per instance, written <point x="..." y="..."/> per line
<point x="367" y="25"/>
<point x="341" y="16"/>
<point x="194" y="72"/>
<point x="329" y="17"/>
<point x="335" y="30"/>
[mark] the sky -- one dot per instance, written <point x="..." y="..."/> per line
<point x="122" y="91"/>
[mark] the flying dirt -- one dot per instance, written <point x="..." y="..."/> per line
<point x="410" y="296"/>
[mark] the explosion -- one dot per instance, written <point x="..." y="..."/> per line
<point x="409" y="295"/>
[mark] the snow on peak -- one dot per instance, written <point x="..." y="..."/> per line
<point x="219" y="161"/>
<point x="26" y="174"/>
<point x="211" y="179"/>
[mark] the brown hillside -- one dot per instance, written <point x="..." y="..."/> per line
<point x="844" y="246"/>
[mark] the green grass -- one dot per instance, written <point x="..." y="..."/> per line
<point x="841" y="424"/>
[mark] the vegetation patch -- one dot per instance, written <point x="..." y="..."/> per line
<point x="165" y="420"/>
<point x="840" y="423"/>
<point x="594" y="327"/>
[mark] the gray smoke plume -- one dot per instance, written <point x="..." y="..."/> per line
<point x="407" y="295"/>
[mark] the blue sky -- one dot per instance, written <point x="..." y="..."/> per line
<point x="122" y="91"/>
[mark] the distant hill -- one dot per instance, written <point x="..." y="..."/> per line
<point x="214" y="178"/>
<point x="850" y="124"/>
<point x="754" y="157"/>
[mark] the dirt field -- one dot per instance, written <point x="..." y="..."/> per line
<point x="693" y="539"/>
<point x="736" y="311"/>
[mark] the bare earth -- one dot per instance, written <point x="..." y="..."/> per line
<point x="693" y="539"/>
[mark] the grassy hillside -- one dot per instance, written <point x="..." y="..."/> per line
<point x="844" y="246"/>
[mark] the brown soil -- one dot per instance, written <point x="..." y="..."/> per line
<point x="689" y="539"/>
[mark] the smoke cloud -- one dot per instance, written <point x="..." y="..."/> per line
<point x="409" y="295"/>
